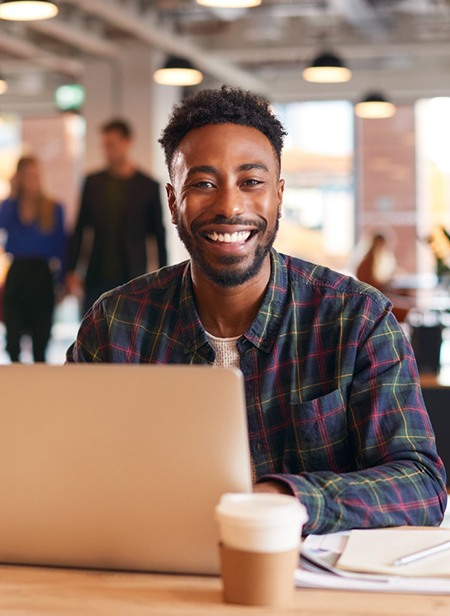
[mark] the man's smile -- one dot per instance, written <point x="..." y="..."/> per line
<point x="229" y="234"/>
<point x="227" y="237"/>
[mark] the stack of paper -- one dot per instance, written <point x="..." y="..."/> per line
<point x="363" y="560"/>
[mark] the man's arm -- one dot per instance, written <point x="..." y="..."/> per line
<point x="400" y="478"/>
<point x="91" y="344"/>
<point x="156" y="225"/>
<point x="60" y="245"/>
<point x="75" y="241"/>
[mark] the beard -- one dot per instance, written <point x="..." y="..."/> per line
<point x="231" y="274"/>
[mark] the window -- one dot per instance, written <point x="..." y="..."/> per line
<point x="318" y="215"/>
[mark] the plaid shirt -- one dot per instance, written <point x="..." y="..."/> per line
<point x="334" y="405"/>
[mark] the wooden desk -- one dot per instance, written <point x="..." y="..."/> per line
<point x="28" y="591"/>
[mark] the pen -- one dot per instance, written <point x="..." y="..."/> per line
<point x="411" y="558"/>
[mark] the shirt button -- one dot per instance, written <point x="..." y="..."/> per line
<point x="257" y="447"/>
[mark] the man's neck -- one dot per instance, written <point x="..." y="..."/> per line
<point x="226" y="312"/>
<point x="124" y="169"/>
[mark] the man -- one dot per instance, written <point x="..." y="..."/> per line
<point x="335" y="412"/>
<point x="122" y="206"/>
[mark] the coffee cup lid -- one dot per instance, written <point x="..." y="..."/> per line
<point x="261" y="508"/>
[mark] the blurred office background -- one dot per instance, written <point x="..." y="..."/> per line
<point x="348" y="177"/>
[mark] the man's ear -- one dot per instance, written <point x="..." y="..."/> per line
<point x="172" y="202"/>
<point x="280" y="192"/>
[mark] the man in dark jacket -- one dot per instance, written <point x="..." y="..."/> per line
<point x="121" y="206"/>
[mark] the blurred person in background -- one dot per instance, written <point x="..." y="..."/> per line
<point x="378" y="265"/>
<point x="35" y="240"/>
<point x="122" y="206"/>
<point x="377" y="268"/>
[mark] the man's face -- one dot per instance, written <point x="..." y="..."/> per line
<point x="116" y="148"/>
<point x="225" y="200"/>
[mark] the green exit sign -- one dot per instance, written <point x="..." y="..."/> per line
<point x="69" y="97"/>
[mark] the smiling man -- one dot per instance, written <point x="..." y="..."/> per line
<point x="229" y="243"/>
<point x="335" y="412"/>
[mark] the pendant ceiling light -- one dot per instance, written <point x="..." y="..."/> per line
<point x="374" y="106"/>
<point x="178" y="72"/>
<point x="327" y="68"/>
<point x="230" y="4"/>
<point x="27" y="10"/>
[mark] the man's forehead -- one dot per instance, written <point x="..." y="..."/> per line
<point x="114" y="135"/>
<point x="235" y="138"/>
<point x="224" y="128"/>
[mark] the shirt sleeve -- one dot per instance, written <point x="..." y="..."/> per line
<point x="5" y="214"/>
<point x="91" y="344"/>
<point x="83" y="221"/>
<point x="400" y="479"/>
<point x="156" y="225"/>
<point x="60" y="243"/>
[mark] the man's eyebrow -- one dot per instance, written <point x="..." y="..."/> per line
<point x="250" y="166"/>
<point x="202" y="169"/>
<point x="214" y="170"/>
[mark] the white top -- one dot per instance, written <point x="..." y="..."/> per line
<point x="227" y="354"/>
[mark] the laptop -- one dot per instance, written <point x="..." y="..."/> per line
<point x="119" y="466"/>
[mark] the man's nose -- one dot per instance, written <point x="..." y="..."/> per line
<point x="228" y="202"/>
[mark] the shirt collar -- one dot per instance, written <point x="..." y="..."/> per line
<point x="261" y="333"/>
<point x="192" y="333"/>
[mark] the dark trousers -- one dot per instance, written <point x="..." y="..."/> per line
<point x="28" y="306"/>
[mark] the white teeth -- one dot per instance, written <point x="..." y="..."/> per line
<point x="229" y="238"/>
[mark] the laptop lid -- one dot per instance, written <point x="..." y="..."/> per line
<point x="119" y="466"/>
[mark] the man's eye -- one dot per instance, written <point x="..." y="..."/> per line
<point x="203" y="184"/>
<point x="252" y="182"/>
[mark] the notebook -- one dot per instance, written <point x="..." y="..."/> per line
<point x="376" y="550"/>
<point x="118" y="466"/>
<point x="362" y="560"/>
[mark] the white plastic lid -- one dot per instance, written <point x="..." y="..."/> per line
<point x="261" y="508"/>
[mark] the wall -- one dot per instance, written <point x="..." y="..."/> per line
<point x="385" y="182"/>
<point x="58" y="142"/>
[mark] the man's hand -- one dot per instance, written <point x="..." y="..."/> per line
<point x="274" y="487"/>
<point x="74" y="285"/>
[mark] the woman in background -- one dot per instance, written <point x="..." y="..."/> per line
<point x="36" y="242"/>
<point x="377" y="269"/>
<point x="378" y="265"/>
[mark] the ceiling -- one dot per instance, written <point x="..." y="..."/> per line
<point x="401" y="47"/>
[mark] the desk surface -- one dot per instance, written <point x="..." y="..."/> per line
<point x="33" y="591"/>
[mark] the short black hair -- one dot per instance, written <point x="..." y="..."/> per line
<point x="221" y="106"/>
<point x="118" y="125"/>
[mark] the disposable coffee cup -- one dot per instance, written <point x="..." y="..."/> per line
<point x="259" y="546"/>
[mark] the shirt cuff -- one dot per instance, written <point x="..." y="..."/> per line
<point x="308" y="494"/>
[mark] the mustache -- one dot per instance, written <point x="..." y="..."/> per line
<point x="260" y="225"/>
